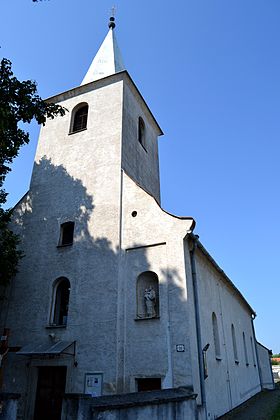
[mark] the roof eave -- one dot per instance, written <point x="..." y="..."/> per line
<point x="218" y="268"/>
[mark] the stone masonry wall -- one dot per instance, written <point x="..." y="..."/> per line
<point x="176" y="403"/>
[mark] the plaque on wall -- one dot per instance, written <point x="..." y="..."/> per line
<point x="93" y="384"/>
<point x="180" y="347"/>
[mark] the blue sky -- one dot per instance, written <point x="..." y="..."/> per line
<point x="210" y="72"/>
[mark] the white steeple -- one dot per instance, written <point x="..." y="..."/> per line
<point x="108" y="59"/>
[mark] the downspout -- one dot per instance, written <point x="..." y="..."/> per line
<point x="256" y="351"/>
<point x="271" y="371"/>
<point x="120" y="338"/>
<point x="225" y="350"/>
<point x="197" y="323"/>
<point x="168" y="381"/>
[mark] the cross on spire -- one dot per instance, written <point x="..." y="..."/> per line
<point x="108" y="59"/>
<point x="112" y="18"/>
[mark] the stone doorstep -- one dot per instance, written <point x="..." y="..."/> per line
<point x="134" y="399"/>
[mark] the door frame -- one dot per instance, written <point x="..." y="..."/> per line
<point x="32" y="379"/>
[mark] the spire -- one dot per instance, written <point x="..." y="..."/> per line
<point x="108" y="59"/>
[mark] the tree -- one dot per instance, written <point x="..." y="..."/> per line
<point x="19" y="103"/>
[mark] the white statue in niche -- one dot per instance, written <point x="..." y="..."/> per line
<point x="150" y="302"/>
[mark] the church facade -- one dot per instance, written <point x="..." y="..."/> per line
<point x="114" y="294"/>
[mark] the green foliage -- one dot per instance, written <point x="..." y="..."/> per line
<point x="276" y="355"/>
<point x="275" y="362"/>
<point x="10" y="255"/>
<point x="276" y="414"/>
<point x="19" y="103"/>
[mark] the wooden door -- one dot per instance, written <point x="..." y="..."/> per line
<point x="50" y="390"/>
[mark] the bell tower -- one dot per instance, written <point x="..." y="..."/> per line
<point x="74" y="220"/>
<point x="108" y="127"/>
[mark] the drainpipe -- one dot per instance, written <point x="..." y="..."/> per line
<point x="256" y="351"/>
<point x="197" y="323"/>
<point x="271" y="371"/>
<point x="225" y="350"/>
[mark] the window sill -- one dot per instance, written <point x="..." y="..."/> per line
<point x="77" y="131"/>
<point x="146" y="318"/>
<point x="55" y="326"/>
<point x="218" y="358"/>
<point x="64" y="246"/>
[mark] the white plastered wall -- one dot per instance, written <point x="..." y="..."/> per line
<point x="228" y="383"/>
<point x="265" y="367"/>
<point x="153" y="241"/>
<point x="76" y="177"/>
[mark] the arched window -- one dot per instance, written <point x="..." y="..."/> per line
<point x="245" y="350"/>
<point x="216" y="336"/>
<point x="147" y="295"/>
<point x="141" y="132"/>
<point x="66" y="233"/>
<point x="253" y="352"/>
<point x="79" y="118"/>
<point x="61" y="292"/>
<point x="235" y="353"/>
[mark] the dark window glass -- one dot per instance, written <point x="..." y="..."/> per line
<point x="61" y="302"/>
<point x="67" y="233"/>
<point x="216" y="335"/>
<point x="80" y="119"/>
<point x="253" y="353"/>
<point x="245" y="350"/>
<point x="148" y="384"/>
<point x="141" y="131"/>
<point x="234" y="343"/>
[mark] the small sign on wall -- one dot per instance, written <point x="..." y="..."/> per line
<point x="93" y="384"/>
<point x="180" y="347"/>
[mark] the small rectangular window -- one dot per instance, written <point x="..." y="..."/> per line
<point x="148" y="384"/>
<point x="66" y="234"/>
<point x="142" y="133"/>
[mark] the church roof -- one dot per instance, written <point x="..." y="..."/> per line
<point x="108" y="59"/>
<point x="226" y="278"/>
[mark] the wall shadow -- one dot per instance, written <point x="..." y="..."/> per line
<point x="102" y="307"/>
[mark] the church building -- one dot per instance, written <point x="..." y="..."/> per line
<point x="114" y="294"/>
